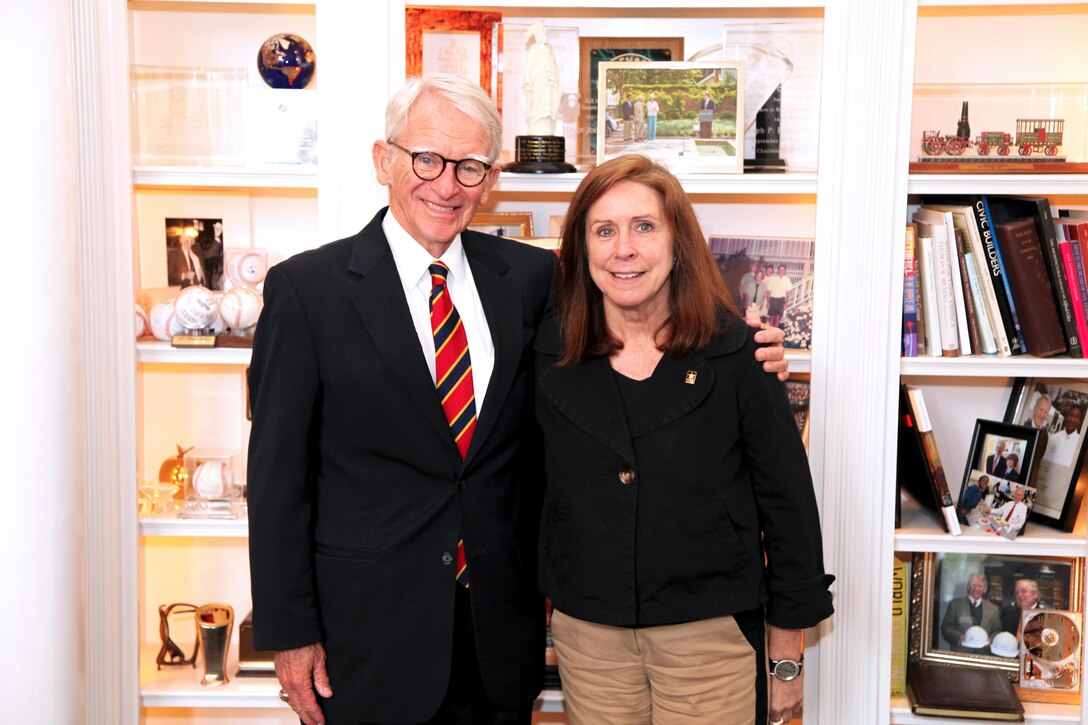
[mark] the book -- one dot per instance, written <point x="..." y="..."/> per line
<point x="900" y="622"/>
<point x="954" y="328"/>
<point x="968" y="299"/>
<point x="1065" y="249"/>
<point x="931" y="327"/>
<point x="1030" y="285"/>
<point x="980" y="240"/>
<point x="1007" y="208"/>
<point x="1077" y="277"/>
<point x="982" y="693"/>
<point x="910" y="296"/>
<point x="939" y="284"/>
<point x="987" y="342"/>
<point x="990" y="242"/>
<point x="920" y="469"/>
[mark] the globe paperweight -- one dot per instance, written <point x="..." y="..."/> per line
<point x="286" y="61"/>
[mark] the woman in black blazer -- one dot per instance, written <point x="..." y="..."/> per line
<point x="679" y="512"/>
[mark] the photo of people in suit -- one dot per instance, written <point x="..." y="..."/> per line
<point x="194" y="252"/>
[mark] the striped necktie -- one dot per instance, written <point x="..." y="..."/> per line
<point x="453" y="376"/>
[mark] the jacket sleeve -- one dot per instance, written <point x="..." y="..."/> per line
<point x="797" y="586"/>
<point x="284" y="389"/>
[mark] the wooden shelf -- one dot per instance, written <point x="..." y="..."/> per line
<point x="994" y="366"/>
<point x="921" y="531"/>
<point x="1039" y="713"/>
<point x="226" y="177"/>
<point x="155" y="351"/>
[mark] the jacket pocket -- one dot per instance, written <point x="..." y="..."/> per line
<point x="347" y="552"/>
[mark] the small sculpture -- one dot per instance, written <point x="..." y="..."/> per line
<point x="542" y="87"/>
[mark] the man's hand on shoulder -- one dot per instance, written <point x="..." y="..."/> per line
<point x="300" y="672"/>
<point x="773" y="356"/>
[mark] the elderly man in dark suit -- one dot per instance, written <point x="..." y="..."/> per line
<point x="395" y="475"/>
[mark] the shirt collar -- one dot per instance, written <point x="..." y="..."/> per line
<point x="412" y="259"/>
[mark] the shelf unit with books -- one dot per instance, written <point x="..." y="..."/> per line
<point x="948" y="41"/>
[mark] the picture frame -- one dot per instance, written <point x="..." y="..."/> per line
<point x="514" y="224"/>
<point x="194" y="252"/>
<point x="452" y="30"/>
<point x="1062" y="480"/>
<point x="1002" y="461"/>
<point x="798" y="390"/>
<point x="594" y="50"/>
<point x="940" y="578"/>
<point x="700" y="121"/>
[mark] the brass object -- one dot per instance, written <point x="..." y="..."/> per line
<point x="170" y="654"/>
<point x="192" y="339"/>
<point x="627" y="476"/>
<point x="690" y="377"/>
<point x="284" y="696"/>
<point x="214" y="623"/>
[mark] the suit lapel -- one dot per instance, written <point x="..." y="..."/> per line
<point x="502" y="303"/>
<point x="378" y="297"/>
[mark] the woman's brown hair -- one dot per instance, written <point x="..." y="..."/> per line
<point x="697" y="294"/>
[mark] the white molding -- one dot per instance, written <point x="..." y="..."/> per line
<point x="993" y="366"/>
<point x="148" y="351"/>
<point x="100" y="87"/>
<point x="271" y="177"/>
<point x="794" y="183"/>
<point x="1039" y="184"/>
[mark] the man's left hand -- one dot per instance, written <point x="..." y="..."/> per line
<point x="785" y="701"/>
<point x="773" y="355"/>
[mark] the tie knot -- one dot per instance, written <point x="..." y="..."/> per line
<point x="438" y="271"/>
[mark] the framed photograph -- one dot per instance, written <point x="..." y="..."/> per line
<point x="1057" y="406"/>
<point x="689" y="116"/>
<point x="194" y="252"/>
<point x="450" y="41"/>
<point x="798" y="388"/>
<point x="594" y="51"/>
<point x="943" y="585"/>
<point x="771" y="278"/>
<point x="503" y="223"/>
<point x="998" y="489"/>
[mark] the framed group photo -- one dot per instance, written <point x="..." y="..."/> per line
<point x="942" y="629"/>
<point x="1058" y="407"/>
<point x="503" y="223"/>
<point x="998" y="489"/>
<point x="689" y="116"/>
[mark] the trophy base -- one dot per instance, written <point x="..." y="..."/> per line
<point x="540" y="155"/>
<point x="765" y="166"/>
<point x="231" y="339"/>
<point x="193" y="339"/>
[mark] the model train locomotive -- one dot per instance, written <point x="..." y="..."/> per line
<point x="1032" y="136"/>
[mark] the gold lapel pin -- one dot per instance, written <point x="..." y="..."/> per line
<point x="689" y="378"/>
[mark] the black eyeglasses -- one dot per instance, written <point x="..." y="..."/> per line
<point x="428" y="166"/>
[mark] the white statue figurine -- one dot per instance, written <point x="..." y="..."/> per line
<point x="542" y="87"/>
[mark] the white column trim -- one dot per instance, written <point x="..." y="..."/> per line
<point x="860" y="195"/>
<point x="104" y="211"/>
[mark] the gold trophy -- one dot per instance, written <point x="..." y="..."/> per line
<point x="214" y="623"/>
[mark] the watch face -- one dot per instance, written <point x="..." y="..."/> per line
<point x="786" y="670"/>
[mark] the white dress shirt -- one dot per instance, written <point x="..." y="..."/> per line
<point x="412" y="262"/>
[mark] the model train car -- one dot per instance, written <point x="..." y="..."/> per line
<point x="1032" y="136"/>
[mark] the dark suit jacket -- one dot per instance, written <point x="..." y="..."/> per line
<point x="628" y="109"/>
<point x="177" y="266"/>
<point x="957" y="620"/>
<point x="716" y="476"/>
<point x="357" y="493"/>
<point x="707" y="104"/>
<point x="1003" y="470"/>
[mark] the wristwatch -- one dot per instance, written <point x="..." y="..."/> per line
<point x="786" y="670"/>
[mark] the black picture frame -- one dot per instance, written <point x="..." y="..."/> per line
<point x="1022" y="441"/>
<point x="1060" y="486"/>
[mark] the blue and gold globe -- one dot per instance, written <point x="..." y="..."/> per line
<point x="286" y="61"/>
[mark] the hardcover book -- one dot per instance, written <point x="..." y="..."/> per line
<point x="919" y="467"/>
<point x="953" y="314"/>
<point x="1008" y="208"/>
<point x="1030" y="285"/>
<point x="900" y="622"/>
<point x="1066" y="241"/>
<point x="981" y="241"/>
<point x="981" y="693"/>
<point x="910" y="297"/>
<point x="930" y="326"/>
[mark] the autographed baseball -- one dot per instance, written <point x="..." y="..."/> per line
<point x="212" y="480"/>
<point x="247" y="269"/>
<point x="196" y="307"/>
<point x="143" y="325"/>
<point x="164" y="323"/>
<point x="240" y="307"/>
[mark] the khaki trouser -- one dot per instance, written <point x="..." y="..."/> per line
<point x="696" y="672"/>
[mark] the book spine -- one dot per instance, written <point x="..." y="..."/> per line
<point x="946" y="295"/>
<point x="1029" y="282"/>
<point x="995" y="277"/>
<point x="1048" y="237"/>
<point x="934" y="344"/>
<point x="964" y="284"/>
<point x="1078" y="277"/>
<point x="1075" y="300"/>
<point x="900" y="623"/>
<point x="987" y="343"/>
<point x="910" y="297"/>
<point x="1016" y="332"/>
<point x="933" y="460"/>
